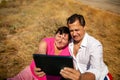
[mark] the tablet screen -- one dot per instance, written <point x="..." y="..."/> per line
<point x="52" y="64"/>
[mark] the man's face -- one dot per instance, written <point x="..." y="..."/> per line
<point x="77" y="31"/>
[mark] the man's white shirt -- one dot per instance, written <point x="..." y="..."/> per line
<point x="89" y="57"/>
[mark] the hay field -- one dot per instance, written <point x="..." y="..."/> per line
<point x="24" y="23"/>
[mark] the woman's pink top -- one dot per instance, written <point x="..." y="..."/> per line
<point x="50" y="51"/>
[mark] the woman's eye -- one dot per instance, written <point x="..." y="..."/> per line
<point x="59" y="36"/>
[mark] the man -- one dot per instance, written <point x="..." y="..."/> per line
<point x="87" y="53"/>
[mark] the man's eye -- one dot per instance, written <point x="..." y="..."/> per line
<point x="76" y="30"/>
<point x="71" y="30"/>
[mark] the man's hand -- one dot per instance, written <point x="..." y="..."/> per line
<point x="38" y="72"/>
<point x="70" y="73"/>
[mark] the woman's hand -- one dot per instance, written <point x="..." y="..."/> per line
<point x="39" y="72"/>
<point x="70" y="73"/>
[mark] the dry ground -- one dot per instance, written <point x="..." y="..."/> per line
<point x="23" y="23"/>
<point x="108" y="5"/>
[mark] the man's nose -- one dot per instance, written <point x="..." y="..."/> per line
<point x="74" y="33"/>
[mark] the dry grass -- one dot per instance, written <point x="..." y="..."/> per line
<point x="22" y="26"/>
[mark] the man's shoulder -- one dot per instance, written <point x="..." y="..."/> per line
<point x="93" y="40"/>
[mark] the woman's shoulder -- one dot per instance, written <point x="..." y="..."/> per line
<point x="49" y="39"/>
<point x="45" y="41"/>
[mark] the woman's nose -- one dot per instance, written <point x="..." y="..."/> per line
<point x="60" y="40"/>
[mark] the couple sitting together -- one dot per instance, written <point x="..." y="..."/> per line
<point x="87" y="53"/>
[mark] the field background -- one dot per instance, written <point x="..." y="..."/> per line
<point x="108" y="5"/>
<point x="23" y="23"/>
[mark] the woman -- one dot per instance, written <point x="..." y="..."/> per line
<point x="58" y="45"/>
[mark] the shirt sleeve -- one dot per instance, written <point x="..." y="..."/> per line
<point x="96" y="60"/>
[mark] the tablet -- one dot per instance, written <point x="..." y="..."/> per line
<point x="52" y="65"/>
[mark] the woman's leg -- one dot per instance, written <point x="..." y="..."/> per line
<point x="24" y="75"/>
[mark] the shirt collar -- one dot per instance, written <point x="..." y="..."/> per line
<point x="84" y="41"/>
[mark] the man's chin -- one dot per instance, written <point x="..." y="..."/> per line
<point x="76" y="40"/>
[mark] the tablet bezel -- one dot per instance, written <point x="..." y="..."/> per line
<point x="52" y="64"/>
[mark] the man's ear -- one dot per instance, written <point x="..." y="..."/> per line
<point x="85" y="27"/>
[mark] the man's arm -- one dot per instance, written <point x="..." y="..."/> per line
<point x="87" y="76"/>
<point x="72" y="74"/>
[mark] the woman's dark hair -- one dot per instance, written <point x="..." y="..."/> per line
<point x="62" y="30"/>
<point x="75" y="17"/>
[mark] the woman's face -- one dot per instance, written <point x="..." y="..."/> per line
<point x="61" y="40"/>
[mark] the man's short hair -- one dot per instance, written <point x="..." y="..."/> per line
<point x="75" y="17"/>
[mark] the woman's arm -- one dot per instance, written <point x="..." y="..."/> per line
<point x="42" y="47"/>
<point x="41" y="50"/>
